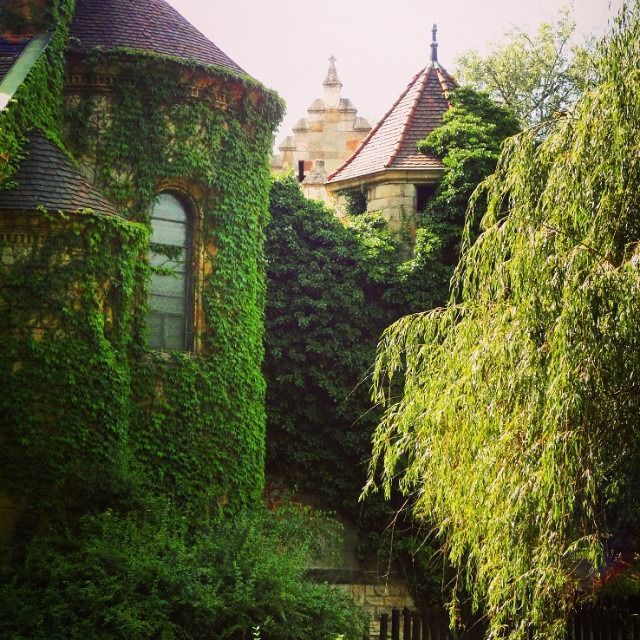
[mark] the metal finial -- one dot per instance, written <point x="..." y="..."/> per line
<point x="434" y="44"/>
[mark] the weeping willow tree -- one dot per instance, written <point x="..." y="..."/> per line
<point x="513" y="414"/>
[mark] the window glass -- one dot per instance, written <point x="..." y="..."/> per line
<point x="169" y="287"/>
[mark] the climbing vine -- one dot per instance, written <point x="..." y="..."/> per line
<point x="38" y="101"/>
<point x="117" y="460"/>
<point x="67" y="325"/>
<point x="201" y="438"/>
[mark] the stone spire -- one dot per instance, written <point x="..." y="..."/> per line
<point x="332" y="74"/>
<point x="434" y="45"/>
<point x="332" y="86"/>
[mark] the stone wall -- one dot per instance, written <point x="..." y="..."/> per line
<point x="378" y="598"/>
<point x="323" y="140"/>
<point x="396" y="201"/>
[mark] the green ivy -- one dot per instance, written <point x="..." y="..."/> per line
<point x="190" y="426"/>
<point x="119" y="459"/>
<point x="38" y="101"/>
<point x="67" y="326"/>
<point x="198" y="419"/>
<point x="323" y="317"/>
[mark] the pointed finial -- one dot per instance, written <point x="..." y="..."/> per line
<point x="332" y="74"/>
<point x="434" y="44"/>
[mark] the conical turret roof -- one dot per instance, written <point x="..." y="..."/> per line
<point x="147" y="25"/>
<point x="391" y="144"/>
<point x="46" y="178"/>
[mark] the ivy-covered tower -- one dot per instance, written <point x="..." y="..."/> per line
<point x="132" y="281"/>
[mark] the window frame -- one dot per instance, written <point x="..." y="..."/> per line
<point x="190" y="270"/>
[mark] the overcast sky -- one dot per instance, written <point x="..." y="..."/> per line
<point x="379" y="44"/>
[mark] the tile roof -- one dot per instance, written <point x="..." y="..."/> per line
<point x="391" y="144"/>
<point x="148" y="25"/>
<point x="46" y="178"/>
<point x="9" y="52"/>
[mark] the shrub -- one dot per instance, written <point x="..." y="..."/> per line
<point x="146" y="575"/>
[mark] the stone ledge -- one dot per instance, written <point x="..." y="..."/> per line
<point x="349" y="576"/>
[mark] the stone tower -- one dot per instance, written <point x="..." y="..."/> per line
<point x="395" y="178"/>
<point x="323" y="140"/>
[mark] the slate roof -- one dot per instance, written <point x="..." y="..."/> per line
<point x="391" y="144"/>
<point x="9" y="52"/>
<point x="148" y="25"/>
<point x="46" y="178"/>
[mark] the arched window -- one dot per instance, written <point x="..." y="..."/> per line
<point x="169" y="316"/>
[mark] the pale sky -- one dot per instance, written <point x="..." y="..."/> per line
<point x="379" y="44"/>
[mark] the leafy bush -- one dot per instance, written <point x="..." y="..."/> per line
<point x="145" y="575"/>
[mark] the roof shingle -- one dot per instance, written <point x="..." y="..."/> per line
<point x="148" y="25"/>
<point x="46" y="178"/>
<point x="9" y="52"/>
<point x="391" y="144"/>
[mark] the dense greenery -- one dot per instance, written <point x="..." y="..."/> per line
<point x="38" y="102"/>
<point x="468" y="142"/>
<point x="332" y="289"/>
<point x="515" y="423"/>
<point x="123" y="466"/>
<point x="146" y="574"/>
<point x="197" y="420"/>
<point x="153" y="136"/>
<point x="323" y="316"/>
<point x="535" y="76"/>
<point x="64" y="368"/>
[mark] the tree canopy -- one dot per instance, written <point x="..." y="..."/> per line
<point x="332" y="289"/>
<point x="512" y="415"/>
<point x="468" y="143"/>
<point x="535" y="76"/>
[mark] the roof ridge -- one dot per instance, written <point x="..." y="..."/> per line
<point x="377" y="126"/>
<point x="409" y="121"/>
<point x="443" y="78"/>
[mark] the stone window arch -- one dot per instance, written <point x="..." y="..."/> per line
<point x="170" y="316"/>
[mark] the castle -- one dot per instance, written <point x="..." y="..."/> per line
<point x="320" y="142"/>
<point x="133" y="200"/>
<point x="336" y="155"/>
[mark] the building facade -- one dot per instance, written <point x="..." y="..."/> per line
<point x="133" y="198"/>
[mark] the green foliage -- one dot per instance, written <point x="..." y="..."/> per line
<point x="145" y="575"/>
<point x="95" y="427"/>
<point x="67" y="322"/>
<point x="535" y="76"/>
<point x="120" y="461"/>
<point x="323" y="317"/>
<point x="333" y="289"/>
<point x="468" y="142"/>
<point x="67" y="325"/>
<point x="355" y="200"/>
<point x="515" y="428"/>
<point x="37" y="103"/>
<point x="197" y="425"/>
